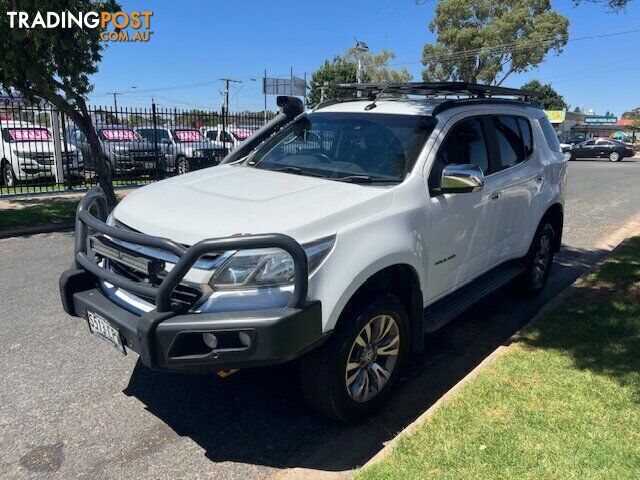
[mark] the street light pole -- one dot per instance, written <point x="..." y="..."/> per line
<point x="360" y="49"/>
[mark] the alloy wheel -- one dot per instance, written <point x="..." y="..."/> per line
<point x="372" y="358"/>
<point x="183" y="167"/>
<point x="9" y="178"/>
<point x="541" y="261"/>
<point x="614" y="156"/>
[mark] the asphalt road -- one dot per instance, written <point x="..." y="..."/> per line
<point x="70" y="406"/>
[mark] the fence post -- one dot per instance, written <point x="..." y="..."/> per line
<point x="159" y="164"/>
<point x="57" y="145"/>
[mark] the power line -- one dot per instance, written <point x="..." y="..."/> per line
<point x="518" y="44"/>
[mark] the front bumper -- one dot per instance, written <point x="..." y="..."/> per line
<point x="173" y="342"/>
<point x="168" y="338"/>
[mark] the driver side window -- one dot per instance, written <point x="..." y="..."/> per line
<point x="464" y="144"/>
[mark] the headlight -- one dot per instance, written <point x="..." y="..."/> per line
<point x="267" y="266"/>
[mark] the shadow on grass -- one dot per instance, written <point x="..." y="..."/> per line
<point x="600" y="325"/>
<point x="259" y="416"/>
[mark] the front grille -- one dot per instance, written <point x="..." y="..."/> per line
<point x="184" y="297"/>
<point x="42" y="158"/>
<point x="214" y="152"/>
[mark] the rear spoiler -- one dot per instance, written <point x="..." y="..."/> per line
<point x="290" y="108"/>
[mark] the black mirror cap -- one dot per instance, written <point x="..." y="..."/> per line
<point x="291" y="106"/>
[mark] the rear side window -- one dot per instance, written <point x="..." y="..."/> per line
<point x="550" y="135"/>
<point x="527" y="137"/>
<point x="510" y="143"/>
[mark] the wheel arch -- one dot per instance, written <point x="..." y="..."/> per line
<point x="555" y="216"/>
<point x="401" y="280"/>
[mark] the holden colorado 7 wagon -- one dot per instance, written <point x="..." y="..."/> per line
<point x="338" y="237"/>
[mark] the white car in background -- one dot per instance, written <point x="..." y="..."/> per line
<point x="230" y="138"/>
<point x="27" y="153"/>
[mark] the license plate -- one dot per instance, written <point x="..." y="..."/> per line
<point x="101" y="328"/>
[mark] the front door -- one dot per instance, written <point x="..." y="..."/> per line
<point x="462" y="232"/>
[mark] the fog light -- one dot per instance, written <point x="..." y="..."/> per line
<point x="210" y="340"/>
<point x="244" y="338"/>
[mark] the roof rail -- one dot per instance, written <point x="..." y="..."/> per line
<point x="440" y="89"/>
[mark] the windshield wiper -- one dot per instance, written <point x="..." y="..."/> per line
<point x="296" y="171"/>
<point x="365" y="179"/>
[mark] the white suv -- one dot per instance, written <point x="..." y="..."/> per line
<point x="27" y="154"/>
<point x="339" y="237"/>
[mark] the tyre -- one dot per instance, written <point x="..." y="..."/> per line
<point x="8" y="176"/>
<point x="354" y="372"/>
<point x="182" y="166"/>
<point x="538" y="261"/>
<point x="614" y="157"/>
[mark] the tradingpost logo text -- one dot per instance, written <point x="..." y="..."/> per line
<point x="126" y="26"/>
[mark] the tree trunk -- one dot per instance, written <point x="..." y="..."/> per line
<point x="103" y="167"/>
<point x="83" y="121"/>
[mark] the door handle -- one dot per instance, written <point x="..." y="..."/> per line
<point x="495" y="196"/>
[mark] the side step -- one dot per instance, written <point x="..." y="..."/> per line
<point x="454" y="304"/>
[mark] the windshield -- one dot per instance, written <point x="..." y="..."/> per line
<point x="190" y="135"/>
<point x="358" y="147"/>
<point x="26" y="135"/>
<point x="118" y="135"/>
<point x="241" y="134"/>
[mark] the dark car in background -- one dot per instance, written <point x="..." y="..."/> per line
<point x="613" y="150"/>
<point x="572" y="139"/>
<point x="126" y="151"/>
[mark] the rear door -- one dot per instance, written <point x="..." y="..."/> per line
<point x="516" y="177"/>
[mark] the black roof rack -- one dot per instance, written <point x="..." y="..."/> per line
<point x="439" y="89"/>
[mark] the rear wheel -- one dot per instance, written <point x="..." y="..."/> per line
<point x="614" y="157"/>
<point x="354" y="372"/>
<point x="538" y="261"/>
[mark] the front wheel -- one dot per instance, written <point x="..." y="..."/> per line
<point x="354" y="372"/>
<point x="538" y="261"/>
<point x="8" y="176"/>
<point x="614" y="157"/>
<point x="182" y="166"/>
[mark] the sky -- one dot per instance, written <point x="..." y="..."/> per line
<point x="196" y="43"/>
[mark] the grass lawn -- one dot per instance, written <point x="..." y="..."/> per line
<point x="53" y="212"/>
<point x="562" y="403"/>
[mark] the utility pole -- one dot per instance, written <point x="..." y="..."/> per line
<point x="264" y="90"/>
<point x="225" y="108"/>
<point x="115" y="101"/>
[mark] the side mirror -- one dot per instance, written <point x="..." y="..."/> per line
<point x="461" y="178"/>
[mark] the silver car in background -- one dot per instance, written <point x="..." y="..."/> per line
<point x="185" y="148"/>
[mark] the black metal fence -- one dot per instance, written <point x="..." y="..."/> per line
<point x="42" y="151"/>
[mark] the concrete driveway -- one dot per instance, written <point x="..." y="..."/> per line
<point x="70" y="406"/>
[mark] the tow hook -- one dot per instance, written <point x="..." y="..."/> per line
<point x="226" y="373"/>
